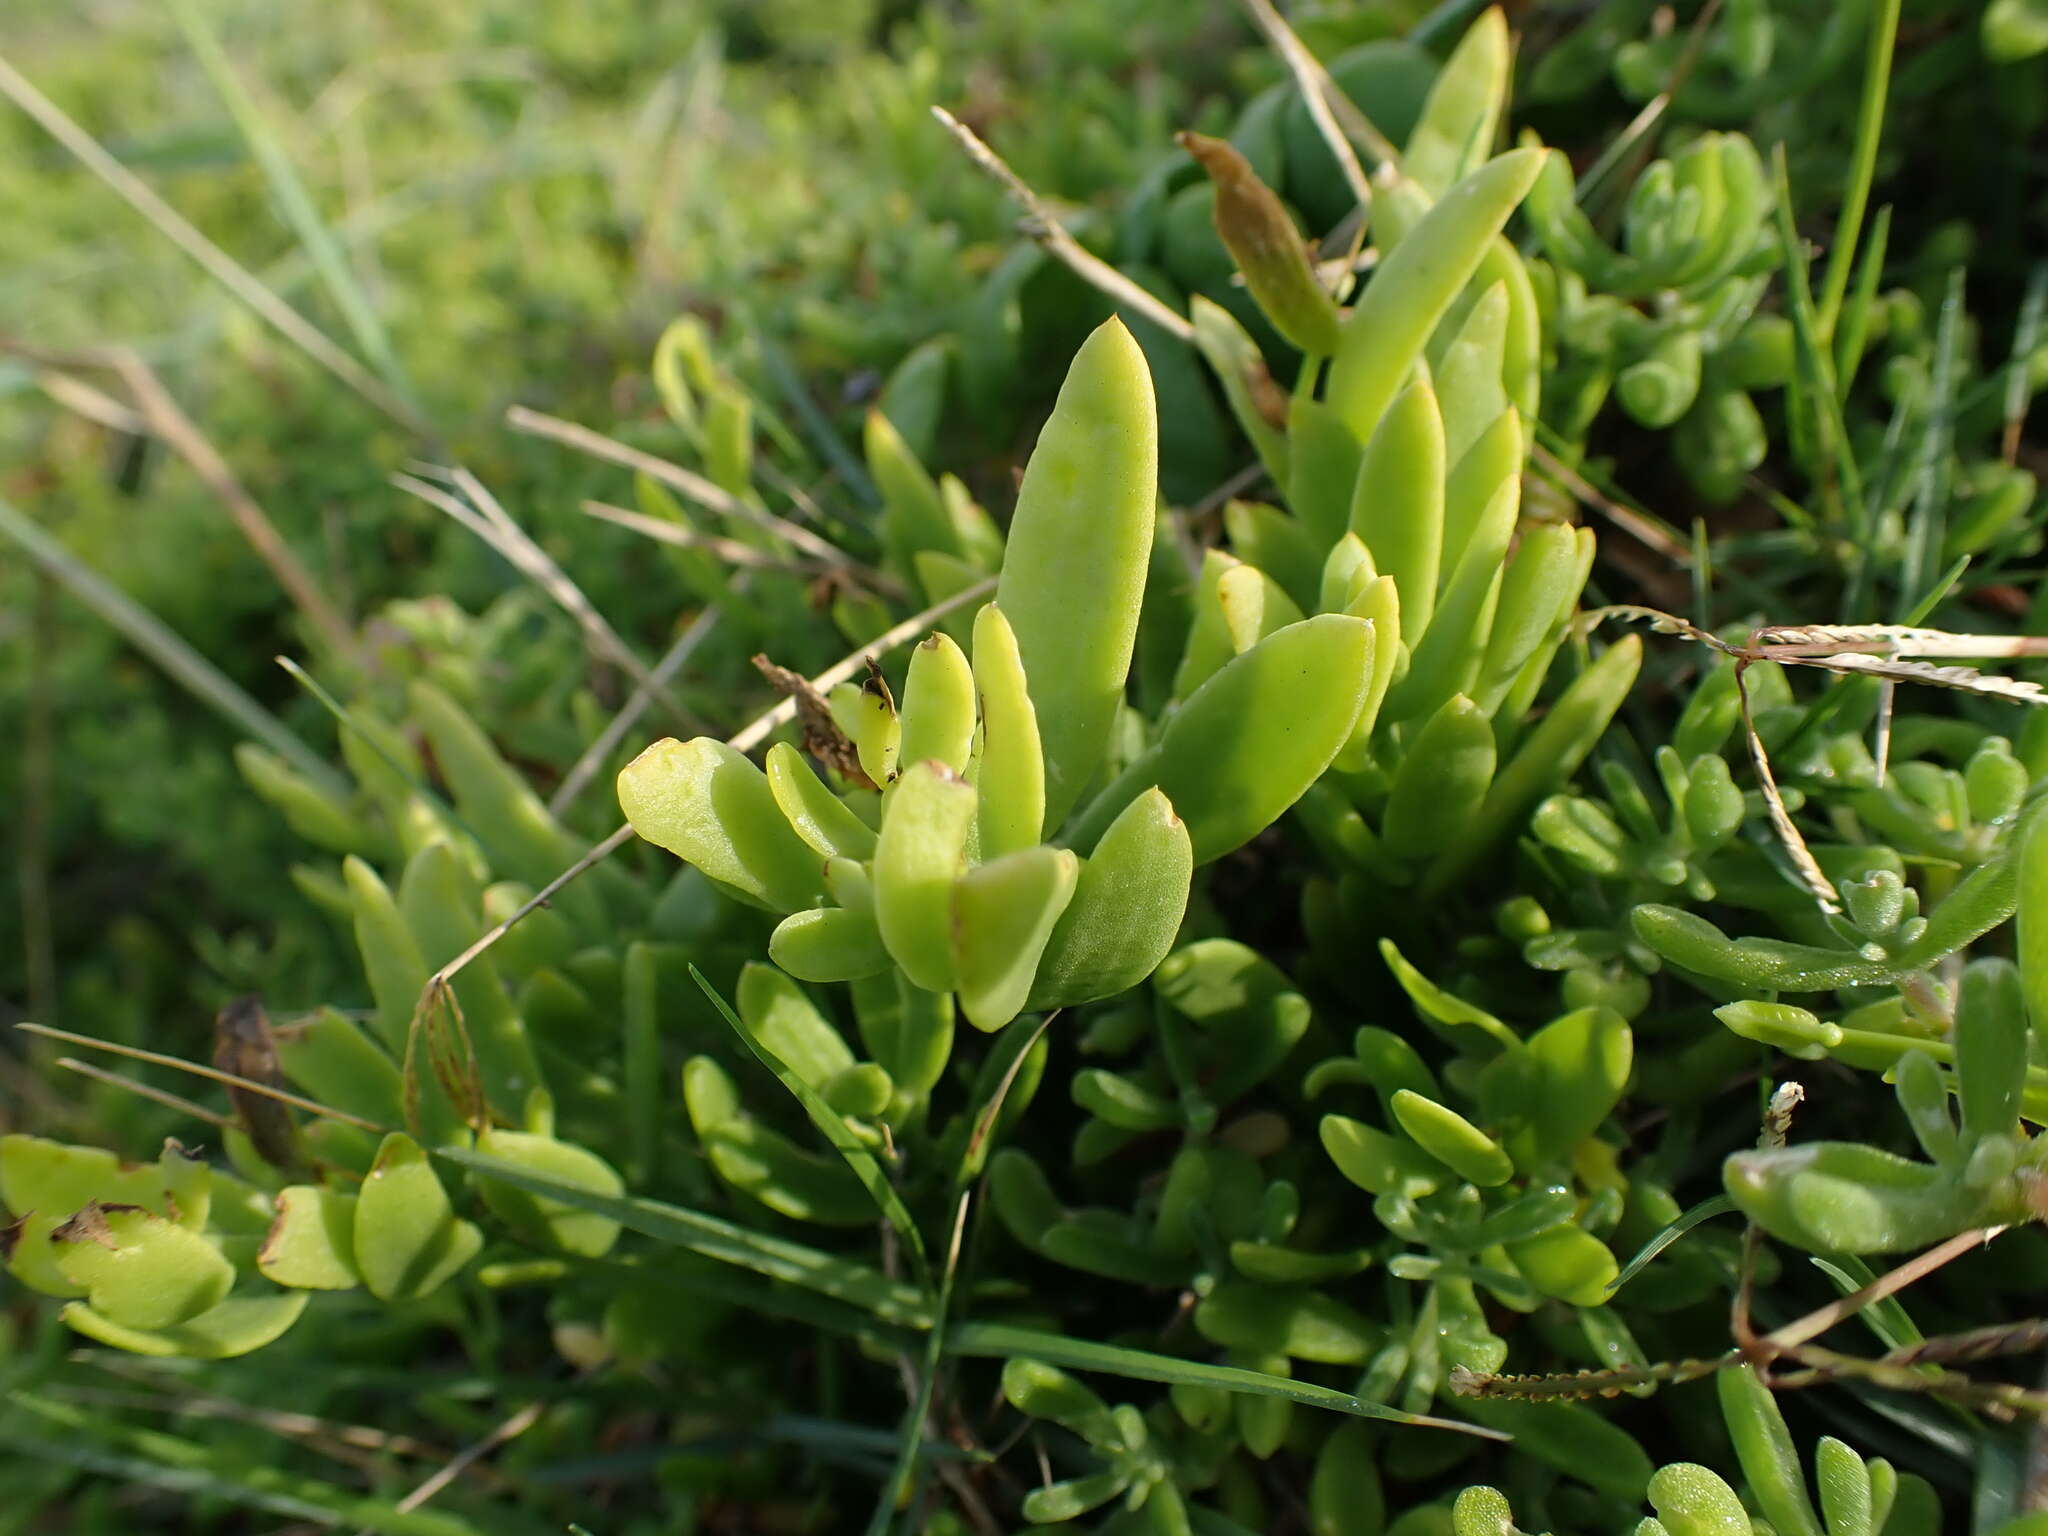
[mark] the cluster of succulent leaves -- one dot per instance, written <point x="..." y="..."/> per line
<point x="537" y="197"/>
<point x="1141" y="817"/>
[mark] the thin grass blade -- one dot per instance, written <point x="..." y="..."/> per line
<point x="1928" y="524"/>
<point x="2019" y="381"/>
<point x="1001" y="1341"/>
<point x="1815" y="375"/>
<point x="1884" y="32"/>
<point x="1706" y="1210"/>
<point x="834" y="1129"/>
<point x="1887" y="1318"/>
<point x="892" y="1301"/>
<point x="296" y="203"/>
<point x="175" y="1465"/>
<point x="221" y="267"/>
<point x="162" y="645"/>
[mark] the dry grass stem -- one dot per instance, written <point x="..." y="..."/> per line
<point x="705" y="493"/>
<point x="731" y="551"/>
<point x="155" y="412"/>
<point x="161" y="1096"/>
<point x="196" y="1069"/>
<point x="1041" y="225"/>
<point x="478" y="511"/>
<point x="585" y="768"/>
<point x="220" y="266"/>
<point x="1326" y="101"/>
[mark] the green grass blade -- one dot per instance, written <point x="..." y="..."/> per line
<point x="1002" y="1342"/>
<point x="1936" y="594"/>
<point x="910" y="1442"/>
<point x="1852" y="334"/>
<point x="782" y="373"/>
<point x="999" y="1071"/>
<point x="163" y="645"/>
<point x="1706" y="1210"/>
<point x="719" y="1283"/>
<point x="1893" y="469"/>
<point x="1814" y="389"/>
<point x="194" y="1471"/>
<point x="1702" y="575"/>
<point x="1884" y="32"/>
<point x="246" y="287"/>
<point x="892" y="1301"/>
<point x="1886" y="1317"/>
<point x="835" y="1130"/>
<point x="998" y="1074"/>
<point x="1921" y="1433"/>
<point x="640" y="1064"/>
<point x="2019" y="370"/>
<point x="1928" y="525"/>
<point x="345" y="718"/>
<point x="296" y="203"/>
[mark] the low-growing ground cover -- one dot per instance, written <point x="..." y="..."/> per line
<point x="1428" y="917"/>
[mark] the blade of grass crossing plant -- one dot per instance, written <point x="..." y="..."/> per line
<point x="1816" y="372"/>
<point x="1886" y="1317"/>
<point x="833" y="1125"/>
<point x="1852" y="331"/>
<point x="821" y="432"/>
<point x="1004" y="1063"/>
<point x="1706" y="1210"/>
<point x="318" y="241"/>
<point x="1929" y="522"/>
<point x="346" y="718"/>
<point x="172" y="1464"/>
<point x="910" y="1447"/>
<point x="1702" y="575"/>
<point x="162" y="645"/>
<point x="2019" y="379"/>
<point x="1002" y="1341"/>
<point x="1894" y="462"/>
<point x="891" y="1301"/>
<point x="640" y="1058"/>
<point x="744" y="1291"/>
<point x="1000" y="1072"/>
<point x="1884" y="32"/>
<point x="2030" y="904"/>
